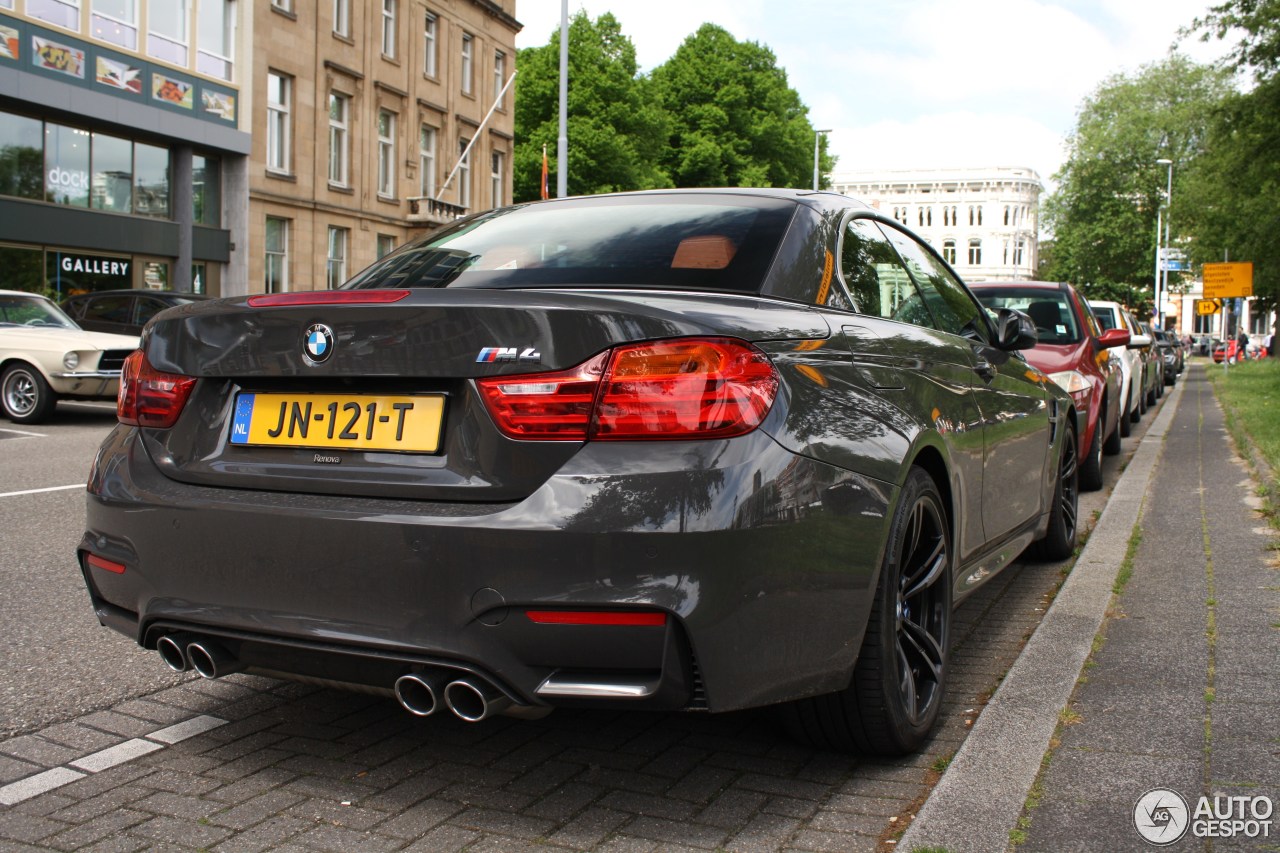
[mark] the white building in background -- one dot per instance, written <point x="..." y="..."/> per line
<point x="984" y="222"/>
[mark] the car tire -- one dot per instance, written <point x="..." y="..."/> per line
<point x="25" y="395"/>
<point x="1059" y="541"/>
<point x="899" y="679"/>
<point x="1151" y="393"/>
<point x="1128" y="416"/>
<point x="1111" y="447"/>
<point x="1091" y="465"/>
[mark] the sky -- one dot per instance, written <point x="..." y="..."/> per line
<point x="906" y="84"/>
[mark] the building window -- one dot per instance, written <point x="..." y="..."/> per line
<point x="21" y="157"/>
<point x="975" y="251"/>
<point x="949" y="250"/>
<point x="427" y="161"/>
<point x="150" y="180"/>
<point x="215" y="38"/>
<point x="115" y="21"/>
<point x="283" y="6"/>
<point x="467" y="45"/>
<point x="389" y="28"/>
<point x="63" y="13"/>
<point x="342" y="17"/>
<point x="386" y="154"/>
<point x="167" y="31"/>
<point x="499" y="78"/>
<point x="920" y="217"/>
<point x="495" y="177"/>
<point x="430" y="27"/>
<point x="206" y="195"/>
<point x="337" y="265"/>
<point x="339" y="141"/>
<point x="112" y="184"/>
<point x="277" y="257"/>
<point x="278" y="99"/>
<point x="66" y="165"/>
<point x="464" y="174"/>
<point x="1006" y="214"/>
<point x="386" y="245"/>
<point x="1018" y="249"/>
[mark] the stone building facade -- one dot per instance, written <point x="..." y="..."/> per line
<point x="984" y="222"/>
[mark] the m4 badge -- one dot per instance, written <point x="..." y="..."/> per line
<point x="526" y="355"/>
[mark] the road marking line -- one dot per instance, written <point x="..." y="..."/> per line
<point x="24" y="432"/>
<point x="33" y="786"/>
<point x="118" y="754"/>
<point x="191" y="728"/>
<point x="25" y="789"/>
<point x="38" y="491"/>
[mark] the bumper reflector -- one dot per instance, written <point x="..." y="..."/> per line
<point x="104" y="564"/>
<point x="596" y="617"/>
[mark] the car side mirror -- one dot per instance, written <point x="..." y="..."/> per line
<point x="1014" y="330"/>
<point x="1139" y="341"/>
<point x="1114" y="338"/>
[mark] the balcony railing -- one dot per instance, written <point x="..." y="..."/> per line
<point x="429" y="211"/>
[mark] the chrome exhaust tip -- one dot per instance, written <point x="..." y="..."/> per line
<point x="172" y="649"/>
<point x="211" y="660"/>
<point x="419" y="694"/>
<point x="474" y="702"/>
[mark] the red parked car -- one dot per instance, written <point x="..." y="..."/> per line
<point x="1072" y="351"/>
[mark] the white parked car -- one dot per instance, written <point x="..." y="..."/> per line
<point x="44" y="355"/>
<point x="1112" y="315"/>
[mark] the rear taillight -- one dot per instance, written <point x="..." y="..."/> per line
<point x="682" y="388"/>
<point x="148" y="397"/>
<point x="545" y="405"/>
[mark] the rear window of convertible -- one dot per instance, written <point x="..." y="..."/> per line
<point x="704" y="243"/>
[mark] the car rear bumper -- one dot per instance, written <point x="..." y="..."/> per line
<point x="762" y="562"/>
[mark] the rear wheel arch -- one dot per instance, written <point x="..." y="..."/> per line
<point x="931" y="461"/>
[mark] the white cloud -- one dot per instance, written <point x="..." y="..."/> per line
<point x="925" y="83"/>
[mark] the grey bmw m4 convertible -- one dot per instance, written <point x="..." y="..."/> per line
<point x="678" y="450"/>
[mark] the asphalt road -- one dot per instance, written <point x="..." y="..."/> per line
<point x="57" y="662"/>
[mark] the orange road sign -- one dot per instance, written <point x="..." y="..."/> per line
<point x="1207" y="306"/>
<point x="1227" y="281"/>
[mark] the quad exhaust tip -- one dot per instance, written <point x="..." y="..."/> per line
<point x="173" y="651"/>
<point x="211" y="660"/>
<point x="419" y="694"/>
<point x="474" y="702"/>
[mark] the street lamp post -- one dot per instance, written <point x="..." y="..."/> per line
<point x="1162" y="269"/>
<point x="817" y="136"/>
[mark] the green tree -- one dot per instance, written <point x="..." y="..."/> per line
<point x="1230" y="188"/>
<point x="616" y="128"/>
<point x="1103" y="215"/>
<point x="734" y="119"/>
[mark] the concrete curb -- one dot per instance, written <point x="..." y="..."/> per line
<point x="981" y="795"/>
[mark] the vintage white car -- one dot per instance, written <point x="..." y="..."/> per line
<point x="44" y="355"/>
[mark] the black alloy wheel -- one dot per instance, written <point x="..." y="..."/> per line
<point x="1059" y="541"/>
<point x="900" y="677"/>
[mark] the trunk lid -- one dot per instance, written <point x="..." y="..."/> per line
<point x="426" y="348"/>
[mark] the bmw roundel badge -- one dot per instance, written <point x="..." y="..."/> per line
<point x="318" y="343"/>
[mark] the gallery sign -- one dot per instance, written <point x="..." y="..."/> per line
<point x="93" y="264"/>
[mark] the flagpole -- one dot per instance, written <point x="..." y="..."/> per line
<point x="562" y="153"/>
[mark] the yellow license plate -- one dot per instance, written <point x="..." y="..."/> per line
<point x="351" y="421"/>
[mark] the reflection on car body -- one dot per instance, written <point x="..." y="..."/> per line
<point x="769" y="441"/>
